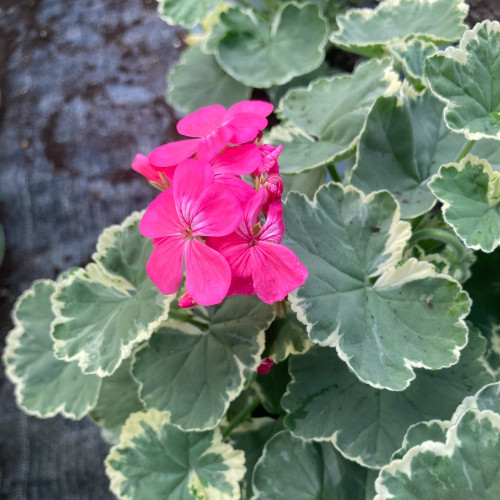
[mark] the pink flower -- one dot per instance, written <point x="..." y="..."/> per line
<point x="159" y="178"/>
<point x="270" y="156"/>
<point x="177" y="220"/>
<point x="259" y="264"/>
<point x="265" y="366"/>
<point x="213" y="127"/>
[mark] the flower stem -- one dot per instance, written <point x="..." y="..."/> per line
<point x="465" y="151"/>
<point x="440" y="235"/>
<point x="240" y="418"/>
<point x="333" y="172"/>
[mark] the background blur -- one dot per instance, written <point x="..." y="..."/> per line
<point x="82" y="89"/>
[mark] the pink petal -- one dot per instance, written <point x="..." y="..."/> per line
<point x="161" y="218"/>
<point x="241" y="189"/>
<point x="142" y="165"/>
<point x="254" y="107"/>
<point x="241" y="286"/>
<point x="173" y="153"/>
<point x="246" y="127"/>
<point x="212" y="144"/>
<point x="270" y="156"/>
<point x="274" y="227"/>
<point x="207" y="274"/>
<point x="218" y="212"/>
<point x="236" y="250"/>
<point x="276" y="271"/>
<point x="164" y="267"/>
<point x="202" y="122"/>
<point x="191" y="179"/>
<point x="238" y="160"/>
<point x="251" y="213"/>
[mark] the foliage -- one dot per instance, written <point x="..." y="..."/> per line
<point x="385" y="362"/>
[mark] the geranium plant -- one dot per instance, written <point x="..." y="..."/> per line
<point x="259" y="333"/>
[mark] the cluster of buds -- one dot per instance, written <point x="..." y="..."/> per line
<point x="224" y="231"/>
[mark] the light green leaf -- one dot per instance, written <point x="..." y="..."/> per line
<point x="155" y="459"/>
<point x="402" y="145"/>
<point x="260" y="55"/>
<point x="187" y="13"/>
<point x="107" y="308"/>
<point x="45" y="386"/>
<point x="470" y="192"/>
<point x="412" y="55"/>
<point x="251" y="438"/>
<point x="291" y="468"/>
<point x="369" y="31"/>
<point x="466" y="79"/>
<point x="188" y="92"/>
<point x="118" y="399"/>
<point x="195" y="369"/>
<point x="286" y="336"/>
<point x="487" y="398"/>
<point x="306" y="183"/>
<point x="325" y="401"/>
<point x="330" y="114"/>
<point x="466" y="466"/>
<point x="357" y="300"/>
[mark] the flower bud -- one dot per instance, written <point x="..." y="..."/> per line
<point x="186" y="301"/>
<point x="274" y="185"/>
<point x="265" y="366"/>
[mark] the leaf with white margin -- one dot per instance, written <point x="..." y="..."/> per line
<point x="466" y="79"/>
<point x="325" y="401"/>
<point x="306" y="183"/>
<point x="195" y="369"/>
<point x="369" y="31"/>
<point x="188" y="92"/>
<point x="487" y="398"/>
<point x="470" y="192"/>
<point x="251" y="438"/>
<point x="403" y="144"/>
<point x="286" y="336"/>
<point x="105" y="309"/>
<point x="331" y="113"/>
<point x="118" y="399"/>
<point x="45" y="385"/>
<point x="262" y="55"/>
<point x="291" y="468"/>
<point x="412" y="55"/>
<point x="466" y="466"/>
<point x="187" y="13"/>
<point x="357" y="300"/>
<point x="155" y="459"/>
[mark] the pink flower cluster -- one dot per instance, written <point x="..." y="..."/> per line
<point x="225" y="232"/>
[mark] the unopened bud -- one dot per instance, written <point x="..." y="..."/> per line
<point x="265" y="366"/>
<point x="186" y="301"/>
<point x="274" y="184"/>
<point x="269" y="156"/>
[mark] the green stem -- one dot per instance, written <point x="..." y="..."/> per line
<point x="465" y="151"/>
<point x="240" y="418"/>
<point x="440" y="235"/>
<point x="333" y="172"/>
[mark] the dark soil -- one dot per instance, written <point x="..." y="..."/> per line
<point x="81" y="92"/>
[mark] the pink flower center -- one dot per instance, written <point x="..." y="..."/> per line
<point x="186" y="233"/>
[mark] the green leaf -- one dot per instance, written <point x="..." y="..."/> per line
<point x="187" y="13"/>
<point x="470" y="192"/>
<point x="107" y="308"/>
<point x="357" y="300"/>
<point x="195" y="368"/>
<point x="325" y="401"/>
<point x="155" y="459"/>
<point x="271" y="387"/>
<point x="487" y="398"/>
<point x="466" y="466"/>
<point x="369" y="31"/>
<point x="188" y="92"/>
<point x="402" y="145"/>
<point x="306" y="183"/>
<point x="286" y="336"/>
<point x="260" y="55"/>
<point x="291" y="468"/>
<point x="330" y="114"/>
<point x="466" y="79"/>
<point x="45" y="386"/>
<point x="412" y="55"/>
<point x="118" y="399"/>
<point x="251" y="438"/>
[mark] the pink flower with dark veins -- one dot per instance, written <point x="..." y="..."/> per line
<point x="259" y="263"/>
<point x="178" y="220"/>
<point x="212" y="128"/>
